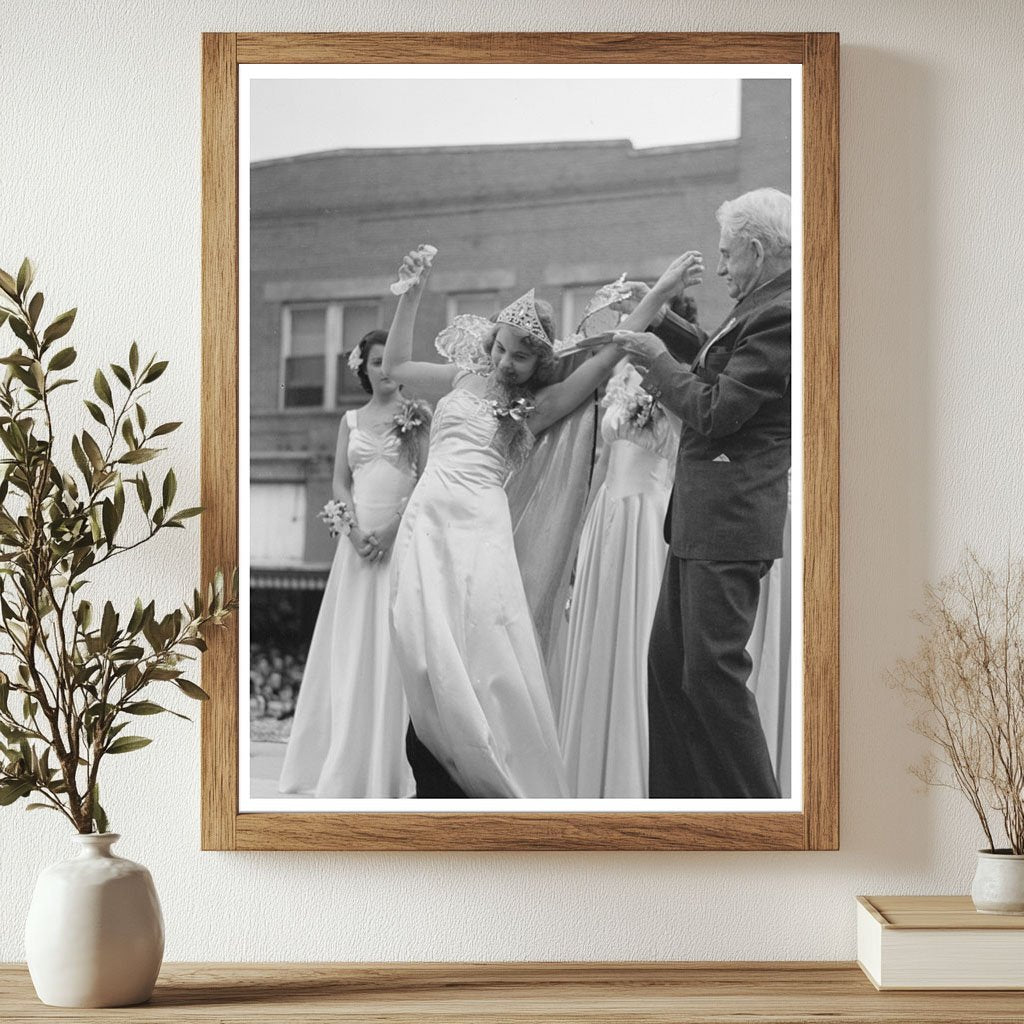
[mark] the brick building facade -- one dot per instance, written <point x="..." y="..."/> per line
<point x="329" y="229"/>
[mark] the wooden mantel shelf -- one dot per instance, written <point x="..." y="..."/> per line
<point x="661" y="993"/>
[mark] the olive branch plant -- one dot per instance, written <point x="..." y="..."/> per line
<point x="966" y="681"/>
<point x="80" y="674"/>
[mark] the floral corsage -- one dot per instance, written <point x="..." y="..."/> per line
<point x="338" y="517"/>
<point x="518" y="410"/>
<point x="409" y="424"/>
<point x="631" y="403"/>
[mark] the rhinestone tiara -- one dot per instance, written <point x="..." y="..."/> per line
<point x="523" y="314"/>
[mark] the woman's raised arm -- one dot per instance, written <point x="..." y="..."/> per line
<point x="430" y="379"/>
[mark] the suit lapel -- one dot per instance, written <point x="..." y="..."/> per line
<point x="758" y="297"/>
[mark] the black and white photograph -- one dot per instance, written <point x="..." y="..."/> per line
<point x="523" y="510"/>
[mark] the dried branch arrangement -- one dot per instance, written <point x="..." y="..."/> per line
<point x="967" y="682"/>
<point x="81" y="672"/>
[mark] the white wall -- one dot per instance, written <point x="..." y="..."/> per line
<point x="99" y="182"/>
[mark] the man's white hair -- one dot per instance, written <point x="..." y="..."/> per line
<point x="764" y="214"/>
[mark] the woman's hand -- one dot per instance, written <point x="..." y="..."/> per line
<point x="415" y="269"/>
<point x="385" y="536"/>
<point x="362" y="542"/>
<point x="682" y="273"/>
<point x="637" y="290"/>
<point x="642" y="347"/>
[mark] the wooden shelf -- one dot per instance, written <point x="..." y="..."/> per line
<point x="660" y="993"/>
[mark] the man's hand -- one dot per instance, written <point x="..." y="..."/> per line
<point x="682" y="273"/>
<point x="640" y="346"/>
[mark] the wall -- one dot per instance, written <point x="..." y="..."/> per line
<point x="100" y="171"/>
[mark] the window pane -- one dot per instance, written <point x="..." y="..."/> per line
<point x="357" y="319"/>
<point x="304" y="381"/>
<point x="308" y="332"/>
<point x="277" y="522"/>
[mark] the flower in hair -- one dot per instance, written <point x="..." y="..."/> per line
<point x="355" y="359"/>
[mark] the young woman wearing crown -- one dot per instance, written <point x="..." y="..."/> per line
<point x="463" y="637"/>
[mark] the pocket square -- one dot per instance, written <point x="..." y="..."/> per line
<point x="721" y="458"/>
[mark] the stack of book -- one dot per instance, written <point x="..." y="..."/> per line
<point x="938" y="942"/>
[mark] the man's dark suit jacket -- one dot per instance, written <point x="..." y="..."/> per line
<point x="730" y="496"/>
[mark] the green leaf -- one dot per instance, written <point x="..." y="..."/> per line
<point x="63" y="359"/>
<point x="126" y="744"/>
<point x="108" y="627"/>
<point x="166" y="428"/>
<point x="99" y="816"/>
<point x="191" y="690"/>
<point x="26" y="274"/>
<point x="139" y="455"/>
<point x="185" y="513"/>
<point x="102" y="388"/>
<point x="121" y="374"/>
<point x="60" y="326"/>
<point x="128" y="433"/>
<point x="20" y="328"/>
<point x="95" y="412"/>
<point x="84" y="614"/>
<point x="109" y="522"/>
<point x="155" y="371"/>
<point x="42" y="807"/>
<point x="80" y="459"/>
<point x="145" y="497"/>
<point x="119" y="498"/>
<point x="140" y="415"/>
<point x="144" y="707"/>
<point x="34" y="308"/>
<point x="92" y="449"/>
<point x="15" y="790"/>
<point x="4" y="314"/>
<point x="8" y="284"/>
<point x="133" y="357"/>
<point x="170" y="488"/>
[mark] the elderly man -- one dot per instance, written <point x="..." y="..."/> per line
<point x="728" y="509"/>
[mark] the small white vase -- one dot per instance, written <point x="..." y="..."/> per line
<point x="95" y="934"/>
<point x="999" y="883"/>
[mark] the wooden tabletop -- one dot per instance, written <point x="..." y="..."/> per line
<point x="662" y="993"/>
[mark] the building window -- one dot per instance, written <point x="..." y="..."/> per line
<point x="277" y="523"/>
<point x="481" y="303"/>
<point x="357" y="320"/>
<point x="316" y="341"/>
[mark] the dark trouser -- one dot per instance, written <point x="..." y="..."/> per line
<point x="705" y="732"/>
<point x="432" y="781"/>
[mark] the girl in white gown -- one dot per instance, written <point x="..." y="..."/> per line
<point x="464" y="639"/>
<point x="348" y="737"/>
<point x="603" y="719"/>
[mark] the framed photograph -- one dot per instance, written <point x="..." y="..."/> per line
<point x="520" y="420"/>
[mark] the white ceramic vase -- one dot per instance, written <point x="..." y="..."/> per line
<point x="999" y="883"/>
<point x="95" y="933"/>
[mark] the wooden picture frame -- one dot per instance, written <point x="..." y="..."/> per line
<point x="816" y="826"/>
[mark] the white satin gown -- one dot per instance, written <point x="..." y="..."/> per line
<point x="463" y="637"/>
<point x="603" y="715"/>
<point x="348" y="738"/>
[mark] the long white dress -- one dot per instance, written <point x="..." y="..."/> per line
<point x="603" y="718"/>
<point x="463" y="637"/>
<point x="348" y="738"/>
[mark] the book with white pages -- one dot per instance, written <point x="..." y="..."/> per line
<point x="938" y="942"/>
